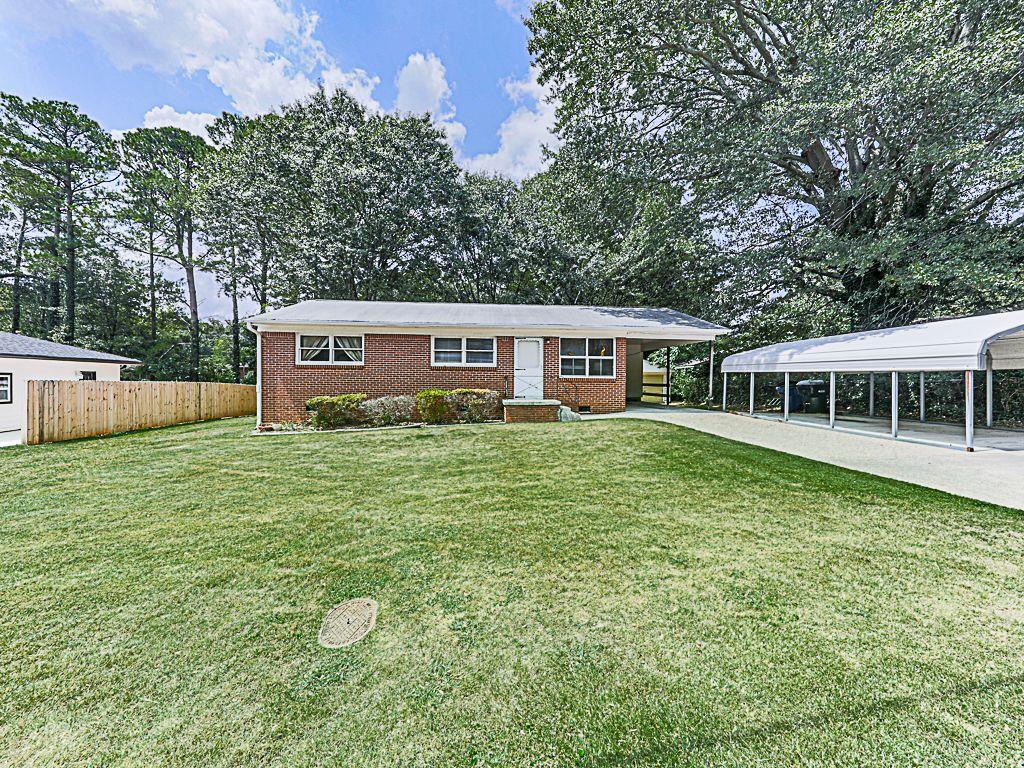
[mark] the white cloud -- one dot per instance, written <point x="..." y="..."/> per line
<point x="260" y="53"/>
<point x="193" y="122"/>
<point x="515" y="8"/>
<point x="523" y="135"/>
<point x="357" y="83"/>
<point x="423" y="89"/>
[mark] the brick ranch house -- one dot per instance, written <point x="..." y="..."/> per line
<point x="588" y="357"/>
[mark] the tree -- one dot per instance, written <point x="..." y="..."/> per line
<point x="867" y="149"/>
<point x="142" y="160"/>
<point x="176" y="181"/>
<point x="373" y="200"/>
<point x="64" y="161"/>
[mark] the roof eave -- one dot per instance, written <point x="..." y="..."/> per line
<point x="681" y="332"/>
<point x="65" y="359"/>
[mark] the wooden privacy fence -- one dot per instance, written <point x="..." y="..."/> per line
<point x="64" y="410"/>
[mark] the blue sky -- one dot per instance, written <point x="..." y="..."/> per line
<point x="129" y="63"/>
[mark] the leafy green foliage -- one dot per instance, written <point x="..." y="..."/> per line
<point x="434" y="407"/>
<point x="870" y="154"/>
<point x="337" y="411"/>
<point x="444" y="406"/>
<point x="473" y="405"/>
<point x="389" y="411"/>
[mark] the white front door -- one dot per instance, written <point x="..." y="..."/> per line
<point x="528" y="381"/>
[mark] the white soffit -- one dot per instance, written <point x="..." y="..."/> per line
<point x="943" y="345"/>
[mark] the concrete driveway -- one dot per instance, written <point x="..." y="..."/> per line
<point x="993" y="476"/>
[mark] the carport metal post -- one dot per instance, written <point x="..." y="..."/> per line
<point x="751" y="393"/>
<point x="785" y="397"/>
<point x="668" y="376"/>
<point x="988" y="391"/>
<point x="894" y="416"/>
<point x="711" y="376"/>
<point x="921" y="395"/>
<point x="969" y="419"/>
<point x="725" y="389"/>
<point x="832" y="399"/>
<point x="871" y="394"/>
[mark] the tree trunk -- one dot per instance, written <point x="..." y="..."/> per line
<point x="71" y="270"/>
<point x="193" y="303"/>
<point x="16" y="291"/>
<point x="152" y="284"/>
<point x="53" y="302"/>
<point x="236" y="341"/>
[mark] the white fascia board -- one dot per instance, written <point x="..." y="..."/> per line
<point x="812" y="365"/>
<point x="682" y="335"/>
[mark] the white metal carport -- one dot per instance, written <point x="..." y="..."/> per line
<point x="969" y="344"/>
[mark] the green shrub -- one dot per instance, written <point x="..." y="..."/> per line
<point x="434" y="407"/>
<point x="337" y="411"/>
<point x="473" y="405"/>
<point x="389" y="411"/>
<point x="442" y="406"/>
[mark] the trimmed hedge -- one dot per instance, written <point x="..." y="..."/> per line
<point x="433" y="406"/>
<point x="473" y="405"/>
<point x="336" y="411"/>
<point x="442" y="406"/>
<point x="389" y="411"/>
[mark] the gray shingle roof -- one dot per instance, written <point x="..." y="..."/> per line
<point x="538" y="317"/>
<point x="16" y="345"/>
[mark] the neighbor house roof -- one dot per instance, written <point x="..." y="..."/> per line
<point x="16" y="345"/>
<point x="943" y="345"/>
<point x="637" y="322"/>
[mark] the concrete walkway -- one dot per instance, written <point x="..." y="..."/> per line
<point x="993" y="476"/>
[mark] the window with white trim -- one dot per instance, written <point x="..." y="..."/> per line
<point x="464" y="350"/>
<point x="329" y="350"/>
<point x="88" y="375"/>
<point x="594" y="358"/>
<point x="6" y="388"/>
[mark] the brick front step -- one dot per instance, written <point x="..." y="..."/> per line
<point x="519" y="411"/>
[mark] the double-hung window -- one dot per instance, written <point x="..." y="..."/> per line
<point x="464" y="350"/>
<point x="593" y="358"/>
<point x="329" y="350"/>
<point x="6" y="388"/>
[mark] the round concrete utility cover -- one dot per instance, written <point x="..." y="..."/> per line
<point x="348" y="623"/>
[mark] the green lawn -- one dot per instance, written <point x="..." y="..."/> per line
<point x="594" y="594"/>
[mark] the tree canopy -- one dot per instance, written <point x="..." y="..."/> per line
<point x="874" y="150"/>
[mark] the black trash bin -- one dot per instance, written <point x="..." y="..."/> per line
<point x="815" y="395"/>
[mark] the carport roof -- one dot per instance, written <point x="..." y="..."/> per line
<point x="943" y="345"/>
<point x="17" y="345"/>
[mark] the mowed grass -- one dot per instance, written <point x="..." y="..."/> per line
<point x="595" y="594"/>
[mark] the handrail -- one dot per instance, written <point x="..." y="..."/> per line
<point x="571" y="396"/>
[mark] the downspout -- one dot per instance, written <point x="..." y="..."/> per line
<point x="259" y="373"/>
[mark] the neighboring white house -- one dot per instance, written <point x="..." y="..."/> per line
<point x="23" y="358"/>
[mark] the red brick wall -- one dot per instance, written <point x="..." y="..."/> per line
<point x="517" y="414"/>
<point x="602" y="395"/>
<point x="399" y="364"/>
